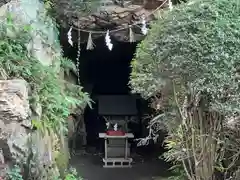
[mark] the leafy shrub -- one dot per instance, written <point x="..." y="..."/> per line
<point x="14" y="173"/>
<point x="197" y="43"/>
<point x="191" y="57"/>
<point x="72" y="175"/>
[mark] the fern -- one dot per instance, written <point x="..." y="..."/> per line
<point x="67" y="65"/>
<point x="46" y="87"/>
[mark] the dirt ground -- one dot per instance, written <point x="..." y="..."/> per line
<point x="90" y="168"/>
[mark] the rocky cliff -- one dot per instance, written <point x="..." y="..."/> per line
<point x="34" y="101"/>
<point x="107" y="16"/>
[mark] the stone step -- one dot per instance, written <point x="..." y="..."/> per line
<point x="117" y="163"/>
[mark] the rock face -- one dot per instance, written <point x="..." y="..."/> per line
<point x="15" y="113"/>
<point x="14" y="119"/>
<point x="14" y="104"/>
<point x="108" y="17"/>
<point x="43" y="45"/>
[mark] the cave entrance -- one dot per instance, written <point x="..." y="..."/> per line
<point x="105" y="76"/>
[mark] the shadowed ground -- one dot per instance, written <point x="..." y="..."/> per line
<point x="90" y="168"/>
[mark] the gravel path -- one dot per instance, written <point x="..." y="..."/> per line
<point x="90" y="168"/>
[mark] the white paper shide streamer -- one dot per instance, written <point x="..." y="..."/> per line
<point x="108" y="41"/>
<point x="131" y="36"/>
<point x="90" y="45"/>
<point x="69" y="35"/>
<point x="108" y="125"/>
<point x="144" y="26"/>
<point x="115" y="127"/>
<point x="170" y="5"/>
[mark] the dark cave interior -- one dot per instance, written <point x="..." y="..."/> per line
<point x="107" y="72"/>
<point x="104" y="72"/>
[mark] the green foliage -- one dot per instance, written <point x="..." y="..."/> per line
<point x="198" y="44"/>
<point x="72" y="175"/>
<point x="47" y="89"/>
<point x="62" y="161"/>
<point x="56" y="97"/>
<point x="48" y="5"/>
<point x="178" y="174"/>
<point x="14" y="173"/>
<point x="67" y="65"/>
<point x="193" y="52"/>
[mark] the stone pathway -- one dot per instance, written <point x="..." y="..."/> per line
<point x="90" y="168"/>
